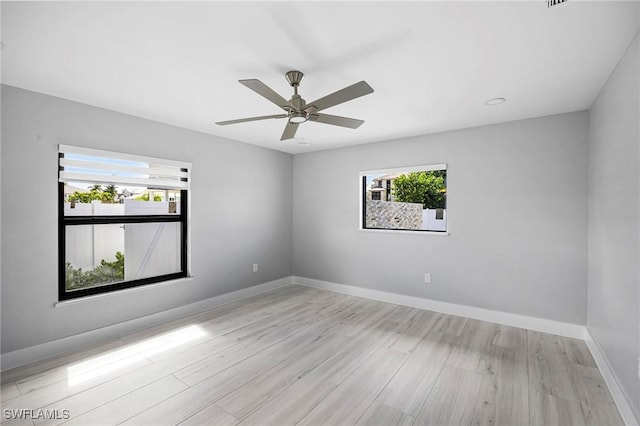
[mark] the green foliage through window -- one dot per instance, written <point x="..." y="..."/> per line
<point x="145" y="197"/>
<point x="427" y="188"/>
<point x="106" y="272"/>
<point x="96" y="193"/>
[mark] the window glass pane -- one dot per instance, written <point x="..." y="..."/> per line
<point x="94" y="255"/>
<point x="152" y="249"/>
<point x="405" y="200"/>
<point x="98" y="255"/>
<point x="91" y="199"/>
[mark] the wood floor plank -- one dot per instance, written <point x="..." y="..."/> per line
<point x="211" y="415"/>
<point x="351" y="398"/>
<point x="511" y="337"/>
<point x="595" y="399"/>
<point x="17" y="422"/>
<point x="249" y="332"/>
<point x="9" y="391"/>
<point x="128" y="405"/>
<point x="292" y="404"/>
<point x="241" y="402"/>
<point x="305" y="357"/>
<point x="47" y="396"/>
<point x="232" y="317"/>
<point x="501" y="403"/>
<point x="509" y="359"/>
<point x="410" y="387"/>
<point x="56" y="366"/>
<point x="549" y="370"/>
<point x="107" y="392"/>
<point x="266" y="337"/>
<point x="330" y="296"/>
<point x="508" y="363"/>
<point x="565" y="385"/>
<point x="194" y="399"/>
<point x="369" y="318"/>
<point x="400" y="314"/>
<point x="306" y="393"/>
<point x="601" y="414"/>
<point x="450" y="324"/>
<point x="471" y="350"/>
<point x="291" y="293"/>
<point x="549" y="410"/>
<point x="410" y="335"/>
<point x="338" y="367"/>
<point x="245" y="315"/>
<point x="452" y="400"/>
<point x="590" y="384"/>
<point x="578" y="352"/>
<point x="219" y="327"/>
<point x="382" y="415"/>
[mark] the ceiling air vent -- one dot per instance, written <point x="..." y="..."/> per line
<point x="554" y="2"/>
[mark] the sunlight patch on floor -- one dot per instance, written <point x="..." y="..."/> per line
<point x="104" y="364"/>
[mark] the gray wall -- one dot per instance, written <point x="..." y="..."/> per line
<point x="517" y="202"/>
<point x="614" y="222"/>
<point x="240" y="214"/>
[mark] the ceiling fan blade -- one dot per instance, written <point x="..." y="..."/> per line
<point x="265" y="91"/>
<point x="243" y="120"/>
<point x="343" y="95"/>
<point x="289" y="131"/>
<point x="336" y="120"/>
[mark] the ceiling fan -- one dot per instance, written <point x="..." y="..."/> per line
<point x="298" y="110"/>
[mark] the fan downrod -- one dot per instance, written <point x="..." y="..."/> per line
<point x="297" y="116"/>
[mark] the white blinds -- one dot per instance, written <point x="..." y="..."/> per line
<point x="79" y="164"/>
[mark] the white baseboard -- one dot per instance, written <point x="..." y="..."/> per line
<point x="515" y="320"/>
<point x="629" y="415"/>
<point x="56" y="347"/>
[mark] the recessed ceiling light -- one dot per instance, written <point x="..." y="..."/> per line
<point x="495" y="101"/>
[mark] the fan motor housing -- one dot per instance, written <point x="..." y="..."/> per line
<point x="297" y="102"/>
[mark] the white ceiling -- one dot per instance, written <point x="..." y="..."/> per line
<point x="432" y="64"/>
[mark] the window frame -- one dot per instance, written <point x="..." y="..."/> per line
<point x="65" y="221"/>
<point x="362" y="197"/>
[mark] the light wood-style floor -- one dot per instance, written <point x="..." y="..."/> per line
<point x="308" y="357"/>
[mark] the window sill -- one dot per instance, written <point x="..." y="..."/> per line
<point x="119" y="292"/>
<point x="405" y="232"/>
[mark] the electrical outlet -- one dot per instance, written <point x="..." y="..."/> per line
<point x="255" y="267"/>
<point x="427" y="278"/>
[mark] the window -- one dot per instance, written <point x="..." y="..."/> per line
<point x="122" y="221"/>
<point x="405" y="199"/>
